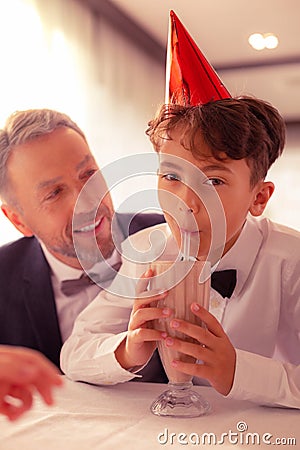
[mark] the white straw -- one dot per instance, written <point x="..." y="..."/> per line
<point x="186" y="244"/>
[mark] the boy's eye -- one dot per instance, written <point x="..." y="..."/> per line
<point x="214" y="182"/>
<point x="170" y="176"/>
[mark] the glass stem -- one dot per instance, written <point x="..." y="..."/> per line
<point x="180" y="386"/>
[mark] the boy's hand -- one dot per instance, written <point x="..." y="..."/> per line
<point x="140" y="341"/>
<point x="213" y="348"/>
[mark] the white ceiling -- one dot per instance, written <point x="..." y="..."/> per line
<point x="221" y="29"/>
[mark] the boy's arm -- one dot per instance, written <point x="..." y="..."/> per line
<point x="270" y="381"/>
<point x="266" y="381"/>
<point x="111" y="341"/>
<point x="88" y="354"/>
<point x="235" y="373"/>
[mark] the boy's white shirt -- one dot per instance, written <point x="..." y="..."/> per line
<point x="262" y="318"/>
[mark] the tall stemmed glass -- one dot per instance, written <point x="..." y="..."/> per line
<point x="187" y="282"/>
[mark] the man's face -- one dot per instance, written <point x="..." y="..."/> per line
<point x="46" y="176"/>
<point x="228" y="179"/>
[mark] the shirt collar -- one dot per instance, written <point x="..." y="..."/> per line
<point x="243" y="253"/>
<point x="62" y="271"/>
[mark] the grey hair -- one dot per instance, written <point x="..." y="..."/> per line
<point x="24" y="126"/>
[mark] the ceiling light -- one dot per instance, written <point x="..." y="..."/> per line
<point x="271" y="41"/>
<point x="257" y="41"/>
<point x="260" y="41"/>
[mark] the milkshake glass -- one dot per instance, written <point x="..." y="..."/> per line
<point x="187" y="282"/>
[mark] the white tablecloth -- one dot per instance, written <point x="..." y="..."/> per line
<point x="89" y="417"/>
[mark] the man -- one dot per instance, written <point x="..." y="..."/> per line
<point x="45" y="161"/>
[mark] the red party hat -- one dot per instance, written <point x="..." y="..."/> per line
<point x="190" y="79"/>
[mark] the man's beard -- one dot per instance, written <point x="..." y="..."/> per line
<point x="90" y="255"/>
<point x="95" y="253"/>
<point x="86" y="251"/>
<point x="96" y="248"/>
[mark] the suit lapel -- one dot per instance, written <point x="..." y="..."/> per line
<point x="40" y="303"/>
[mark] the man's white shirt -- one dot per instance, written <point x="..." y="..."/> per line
<point x="69" y="307"/>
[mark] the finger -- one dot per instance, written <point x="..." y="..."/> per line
<point x="47" y="379"/>
<point x="16" y="371"/>
<point x="51" y="376"/>
<point x="194" y="369"/>
<point x="45" y="386"/>
<point x="10" y="411"/>
<point x="23" y="394"/>
<point x="145" y="301"/>
<point x="4" y="390"/>
<point x="144" y="315"/>
<point x="141" y="286"/>
<point x="18" y="401"/>
<point x="210" y="321"/>
<point x="219" y="373"/>
<point x="197" y="351"/>
<point x="197" y="332"/>
<point x="141" y="335"/>
<point x="46" y="391"/>
<point x="143" y="282"/>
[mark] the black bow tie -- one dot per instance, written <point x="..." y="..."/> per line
<point x="73" y="287"/>
<point x="224" y="282"/>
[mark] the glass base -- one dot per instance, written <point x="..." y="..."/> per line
<point x="180" y="401"/>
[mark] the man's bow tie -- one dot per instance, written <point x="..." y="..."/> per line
<point x="224" y="282"/>
<point x="73" y="287"/>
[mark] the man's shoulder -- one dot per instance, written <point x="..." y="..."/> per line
<point x="148" y="244"/>
<point x="139" y="236"/>
<point x="16" y="252"/>
<point x="131" y="223"/>
<point x="18" y="246"/>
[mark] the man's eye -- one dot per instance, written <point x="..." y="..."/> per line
<point x="170" y="176"/>
<point x="214" y="182"/>
<point x="89" y="173"/>
<point x="53" y="194"/>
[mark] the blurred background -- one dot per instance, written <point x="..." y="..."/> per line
<point x="103" y="63"/>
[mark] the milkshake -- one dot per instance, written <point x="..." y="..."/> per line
<point x="187" y="282"/>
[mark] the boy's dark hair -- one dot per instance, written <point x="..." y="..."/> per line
<point x="242" y="127"/>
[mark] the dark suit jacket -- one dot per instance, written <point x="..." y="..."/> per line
<point x="27" y="307"/>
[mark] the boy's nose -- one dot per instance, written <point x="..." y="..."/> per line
<point x="193" y="208"/>
<point x="190" y="201"/>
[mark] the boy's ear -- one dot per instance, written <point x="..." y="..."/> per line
<point x="16" y="219"/>
<point x="263" y="192"/>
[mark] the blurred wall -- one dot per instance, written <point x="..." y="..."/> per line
<point x="60" y="55"/>
<point x="283" y="206"/>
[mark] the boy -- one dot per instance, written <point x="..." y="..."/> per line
<point x="251" y="344"/>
